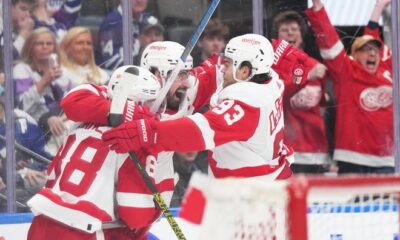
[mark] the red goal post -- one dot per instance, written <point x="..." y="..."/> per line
<point x="303" y="208"/>
<point x="368" y="196"/>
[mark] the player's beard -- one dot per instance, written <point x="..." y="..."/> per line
<point x="174" y="100"/>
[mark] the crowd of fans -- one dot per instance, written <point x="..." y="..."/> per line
<point x="52" y="55"/>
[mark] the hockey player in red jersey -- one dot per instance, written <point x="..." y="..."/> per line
<point x="244" y="128"/>
<point x="363" y="89"/>
<point x="89" y="184"/>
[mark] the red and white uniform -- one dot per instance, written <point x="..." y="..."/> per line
<point x="243" y="131"/>
<point x="89" y="103"/>
<point x="364" y="115"/>
<point x="304" y="125"/>
<point x="89" y="184"/>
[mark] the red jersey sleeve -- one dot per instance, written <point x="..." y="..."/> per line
<point x="215" y="59"/>
<point x="207" y="75"/>
<point x="87" y="103"/>
<point x="230" y="121"/>
<point x="331" y="48"/>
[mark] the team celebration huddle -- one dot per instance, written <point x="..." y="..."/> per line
<point x="125" y="139"/>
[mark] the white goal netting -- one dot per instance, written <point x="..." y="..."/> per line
<point x="355" y="208"/>
<point x="244" y="209"/>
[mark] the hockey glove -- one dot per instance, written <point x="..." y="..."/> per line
<point x="134" y="111"/>
<point x="290" y="60"/>
<point x="139" y="135"/>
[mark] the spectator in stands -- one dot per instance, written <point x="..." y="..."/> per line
<point x="212" y="41"/>
<point x="30" y="175"/>
<point x="185" y="164"/>
<point x="37" y="84"/>
<point x="78" y="67"/>
<point x="54" y="6"/>
<point x="22" y="24"/>
<point x="363" y="88"/>
<point x="109" y="53"/>
<point x="61" y="21"/>
<point x="77" y="59"/>
<point x="304" y="124"/>
<point x="151" y="30"/>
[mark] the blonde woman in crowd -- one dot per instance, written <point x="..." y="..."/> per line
<point x="39" y="82"/>
<point x="77" y="58"/>
<point x="78" y="67"/>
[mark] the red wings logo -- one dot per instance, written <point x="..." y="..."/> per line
<point x="298" y="72"/>
<point x="372" y="99"/>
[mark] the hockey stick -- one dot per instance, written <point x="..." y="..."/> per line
<point x="35" y="156"/>
<point x="113" y="224"/>
<point x="4" y="197"/>
<point x="116" y="118"/>
<point x="188" y="49"/>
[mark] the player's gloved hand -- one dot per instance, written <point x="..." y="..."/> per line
<point x="133" y="111"/>
<point x="290" y="60"/>
<point x="134" y="136"/>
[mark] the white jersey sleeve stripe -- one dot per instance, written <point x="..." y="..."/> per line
<point x="206" y="131"/>
<point x="74" y="218"/>
<point x="139" y="200"/>
<point x="332" y="52"/>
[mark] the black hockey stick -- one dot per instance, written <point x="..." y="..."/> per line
<point x="116" y="118"/>
<point x="4" y="197"/>
<point x="35" y="156"/>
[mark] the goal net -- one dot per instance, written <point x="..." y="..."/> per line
<point x="353" y="207"/>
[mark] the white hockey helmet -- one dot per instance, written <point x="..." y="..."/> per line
<point x="164" y="55"/>
<point x="145" y="88"/>
<point x="253" y="48"/>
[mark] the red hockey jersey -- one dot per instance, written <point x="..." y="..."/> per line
<point x="304" y="124"/>
<point x="364" y="115"/>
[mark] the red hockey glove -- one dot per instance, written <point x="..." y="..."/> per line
<point x="290" y="61"/>
<point x="133" y="111"/>
<point x="134" y="136"/>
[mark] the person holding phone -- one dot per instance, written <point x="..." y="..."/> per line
<point x="37" y="83"/>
